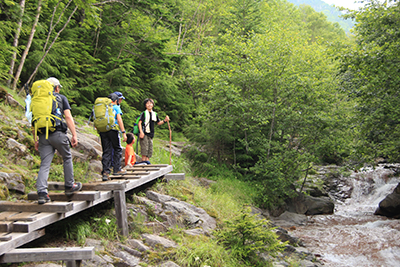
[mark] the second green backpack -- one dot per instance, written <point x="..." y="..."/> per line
<point x="103" y="115"/>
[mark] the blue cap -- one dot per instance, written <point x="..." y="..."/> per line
<point x="119" y="94"/>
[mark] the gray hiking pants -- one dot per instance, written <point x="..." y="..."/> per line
<point x="47" y="147"/>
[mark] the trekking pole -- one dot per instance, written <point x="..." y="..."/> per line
<point x="170" y="152"/>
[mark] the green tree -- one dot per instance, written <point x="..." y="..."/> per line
<point x="370" y="75"/>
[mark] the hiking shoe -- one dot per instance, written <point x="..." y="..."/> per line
<point x="105" y="177"/>
<point x="121" y="172"/>
<point x="43" y="197"/>
<point x="74" y="188"/>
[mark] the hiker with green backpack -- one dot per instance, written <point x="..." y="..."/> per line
<point x="108" y="122"/>
<point x="146" y="124"/>
<point x="48" y="108"/>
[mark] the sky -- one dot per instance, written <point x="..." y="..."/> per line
<point x="345" y="3"/>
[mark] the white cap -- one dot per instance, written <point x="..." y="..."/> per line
<point x="54" y="81"/>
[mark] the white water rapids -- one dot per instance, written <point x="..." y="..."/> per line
<point x="353" y="236"/>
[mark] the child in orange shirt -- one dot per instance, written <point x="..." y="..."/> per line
<point x="130" y="157"/>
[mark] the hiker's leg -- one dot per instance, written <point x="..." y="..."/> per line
<point x="59" y="141"/>
<point x="144" y="147"/>
<point x="46" y="152"/>
<point x="150" y="148"/>
<point x="107" y="150"/>
<point x="116" y="144"/>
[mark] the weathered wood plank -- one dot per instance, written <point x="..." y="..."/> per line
<point x="78" y="196"/>
<point x="34" y="207"/>
<point x="48" y="254"/>
<point x="142" y="168"/>
<point x="5" y="237"/>
<point x="126" y="176"/>
<point x="43" y="219"/>
<point x="120" y="211"/>
<point x="148" y="178"/>
<point x="19" y="239"/>
<point x="98" y="186"/>
<point x="5" y="214"/>
<point x="6" y="226"/>
<point x="22" y="216"/>
<point x="151" y="166"/>
<point x="144" y="172"/>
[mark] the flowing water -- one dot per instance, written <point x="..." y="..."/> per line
<point x="353" y="236"/>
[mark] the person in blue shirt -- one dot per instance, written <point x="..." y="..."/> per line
<point x="111" y="142"/>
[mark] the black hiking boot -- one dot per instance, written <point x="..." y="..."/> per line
<point x="70" y="190"/>
<point x="43" y="197"/>
<point x="105" y="177"/>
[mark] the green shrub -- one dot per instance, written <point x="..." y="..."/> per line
<point x="246" y="236"/>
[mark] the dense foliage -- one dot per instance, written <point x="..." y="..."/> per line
<point x="265" y="88"/>
<point x="370" y="71"/>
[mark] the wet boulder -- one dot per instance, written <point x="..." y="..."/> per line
<point x="309" y="205"/>
<point x="390" y="206"/>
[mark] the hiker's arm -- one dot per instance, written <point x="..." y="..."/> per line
<point x="71" y="126"/>
<point x="129" y="161"/>
<point x="141" y="133"/>
<point x="121" y="126"/>
<point x="163" y="121"/>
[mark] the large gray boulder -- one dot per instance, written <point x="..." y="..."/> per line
<point x="308" y="205"/>
<point x="189" y="215"/>
<point x="390" y="206"/>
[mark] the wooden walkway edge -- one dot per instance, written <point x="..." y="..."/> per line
<point x="25" y="221"/>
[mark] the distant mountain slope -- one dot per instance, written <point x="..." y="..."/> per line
<point x="331" y="12"/>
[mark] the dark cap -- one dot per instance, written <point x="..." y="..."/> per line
<point x="113" y="97"/>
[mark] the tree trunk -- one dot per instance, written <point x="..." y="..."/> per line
<point x="15" y="43"/>
<point x="51" y="45"/>
<point x="28" y="46"/>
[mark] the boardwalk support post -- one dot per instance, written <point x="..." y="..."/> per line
<point x="120" y="211"/>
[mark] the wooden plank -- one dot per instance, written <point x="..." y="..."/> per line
<point x="78" y="196"/>
<point x="5" y="214"/>
<point x="22" y="216"/>
<point x="129" y="175"/>
<point x="148" y="178"/>
<point x="34" y="207"/>
<point x="48" y="254"/>
<point x="45" y="219"/>
<point x="19" y="239"/>
<point x="6" y="226"/>
<point x="132" y="173"/>
<point x="174" y="176"/>
<point x="141" y="168"/>
<point x="126" y="177"/>
<point x="150" y="166"/>
<point x="98" y="186"/>
<point x="5" y="237"/>
<point x="120" y="212"/>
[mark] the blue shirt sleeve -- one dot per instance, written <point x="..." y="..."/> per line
<point x="116" y="110"/>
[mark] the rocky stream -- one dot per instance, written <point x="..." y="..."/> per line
<point x="353" y="235"/>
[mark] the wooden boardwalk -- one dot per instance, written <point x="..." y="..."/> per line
<point x="23" y="222"/>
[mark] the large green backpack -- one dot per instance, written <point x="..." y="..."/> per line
<point x="103" y="115"/>
<point x="45" y="107"/>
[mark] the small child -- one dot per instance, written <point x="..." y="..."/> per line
<point x="130" y="157"/>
